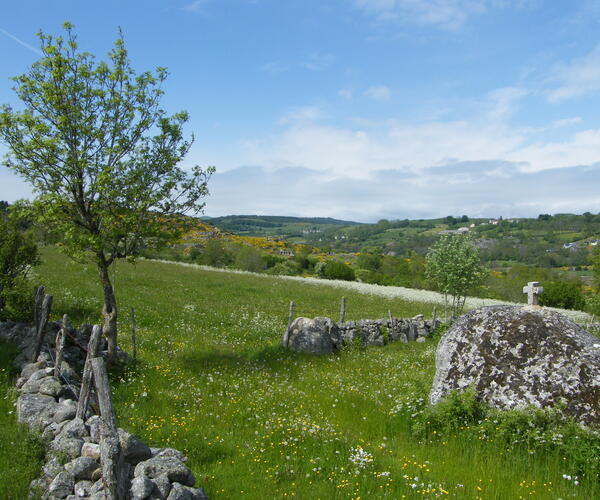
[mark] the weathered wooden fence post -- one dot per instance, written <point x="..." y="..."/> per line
<point x="434" y="320"/>
<point x="133" y="338"/>
<point x="60" y="346"/>
<point x="41" y="326"/>
<point x="38" y="298"/>
<point x="111" y="459"/>
<point x="86" y="378"/>
<point x="591" y="322"/>
<point x="391" y="318"/>
<point x="286" y="335"/>
<point x="343" y="310"/>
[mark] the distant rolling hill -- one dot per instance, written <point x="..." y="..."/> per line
<point x="271" y="225"/>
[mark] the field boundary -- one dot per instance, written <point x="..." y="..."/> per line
<point x="390" y="292"/>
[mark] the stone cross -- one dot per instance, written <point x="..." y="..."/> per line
<point x="533" y="289"/>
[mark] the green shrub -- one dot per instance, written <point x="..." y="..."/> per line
<point x="214" y="254"/>
<point x="369" y="261"/>
<point x="288" y="268"/>
<point x="336" y="270"/>
<point x="535" y="430"/>
<point x="271" y="260"/>
<point x="18" y="253"/>
<point x="458" y="411"/>
<point x="562" y="294"/>
<point x="248" y="259"/>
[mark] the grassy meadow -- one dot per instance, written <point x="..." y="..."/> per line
<point x="258" y="422"/>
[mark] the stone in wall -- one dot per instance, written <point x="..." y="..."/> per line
<point x="72" y="469"/>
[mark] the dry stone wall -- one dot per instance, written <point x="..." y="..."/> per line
<point x="323" y="336"/>
<point x="72" y="469"/>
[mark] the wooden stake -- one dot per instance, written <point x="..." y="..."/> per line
<point x="60" y="346"/>
<point x="133" y="339"/>
<point x="86" y="378"/>
<point x="343" y="310"/>
<point x="434" y="320"/>
<point x="111" y="458"/>
<point x="38" y="298"/>
<point x="286" y="335"/>
<point x="41" y="327"/>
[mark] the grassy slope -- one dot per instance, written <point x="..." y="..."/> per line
<point x="259" y="422"/>
<point x="20" y="451"/>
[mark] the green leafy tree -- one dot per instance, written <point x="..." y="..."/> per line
<point x="454" y="267"/>
<point x="102" y="156"/>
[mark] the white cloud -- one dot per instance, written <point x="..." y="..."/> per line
<point x="302" y="114"/>
<point x="462" y="188"/>
<point x="345" y="94"/>
<point x="197" y="6"/>
<point x="317" y="61"/>
<point x="583" y="148"/>
<point x="274" y="67"/>
<point x="345" y="152"/>
<point x="503" y="102"/>
<point x="577" y="78"/>
<point x="566" y="122"/>
<point x="448" y="14"/>
<point x="378" y="92"/>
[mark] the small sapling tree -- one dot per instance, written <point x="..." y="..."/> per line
<point x="102" y="156"/>
<point x="453" y="266"/>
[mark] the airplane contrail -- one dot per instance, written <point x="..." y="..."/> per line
<point x="24" y="44"/>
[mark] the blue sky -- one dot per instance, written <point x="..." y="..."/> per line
<point x="360" y="109"/>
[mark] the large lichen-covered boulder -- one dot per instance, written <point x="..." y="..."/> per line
<point x="317" y="336"/>
<point x="516" y="356"/>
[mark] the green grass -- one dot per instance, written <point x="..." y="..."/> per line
<point x="21" y="452"/>
<point x="262" y="423"/>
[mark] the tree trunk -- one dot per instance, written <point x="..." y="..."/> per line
<point x="109" y="310"/>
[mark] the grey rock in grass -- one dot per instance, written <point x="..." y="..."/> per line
<point x="182" y="492"/>
<point x="141" y="488"/>
<point x="33" y="383"/>
<point x="162" y="487"/>
<point x="168" y="452"/>
<point x="134" y="450"/>
<point x="62" y="485"/>
<point x="91" y="450"/>
<point x="30" y="368"/>
<point x="96" y="475"/>
<point x="316" y="336"/>
<point x="93" y="424"/>
<point x="36" y="410"/>
<point x="74" y="428"/>
<point x="51" y="386"/>
<point x="38" y="487"/>
<point x="171" y="467"/>
<point x="53" y="429"/>
<point x="67" y="447"/>
<point x="82" y="467"/>
<point x="83" y="488"/>
<point x="52" y="467"/>
<point x="97" y="487"/>
<point x="66" y="410"/>
<point x="515" y="356"/>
